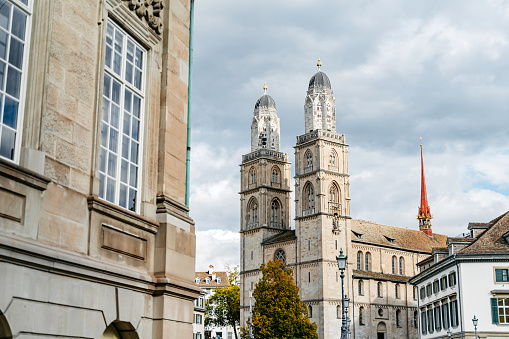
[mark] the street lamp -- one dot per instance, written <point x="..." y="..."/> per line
<point x="344" y="301"/>
<point x="474" y="321"/>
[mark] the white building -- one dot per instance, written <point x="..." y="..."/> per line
<point x="469" y="278"/>
<point x="199" y="317"/>
<point x="208" y="282"/>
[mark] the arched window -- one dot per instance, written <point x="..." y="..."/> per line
<point x="367" y="261"/>
<point x="309" y="161"/>
<point x="338" y="312"/>
<point x="275" y="175"/>
<point x="359" y="260"/>
<point x="401" y="266"/>
<point x="398" y="318"/>
<point x="396" y="291"/>
<point x="280" y="255"/>
<point x="333" y="159"/>
<point x="252" y="176"/>
<point x="309" y="199"/>
<point x="252" y="213"/>
<point x="360" y="287"/>
<point x="334" y="199"/>
<point x="361" y="316"/>
<point x="379" y="289"/>
<point x="393" y="264"/>
<point x="310" y="311"/>
<point x="275" y="213"/>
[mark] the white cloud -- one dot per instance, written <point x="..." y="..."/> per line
<point x="217" y="248"/>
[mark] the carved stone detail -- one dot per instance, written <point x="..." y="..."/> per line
<point x="150" y="10"/>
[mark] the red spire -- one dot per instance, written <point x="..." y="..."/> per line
<point x="424" y="210"/>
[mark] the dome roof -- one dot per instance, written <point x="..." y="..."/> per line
<point x="320" y="79"/>
<point x="265" y="101"/>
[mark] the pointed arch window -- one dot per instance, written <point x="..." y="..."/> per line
<point x="401" y="266"/>
<point x="309" y="200"/>
<point x="367" y="261"/>
<point x="379" y="290"/>
<point x="275" y="213"/>
<point x="252" y="213"/>
<point x="252" y="176"/>
<point x="333" y="161"/>
<point x="281" y="255"/>
<point x="275" y="175"/>
<point x="393" y="264"/>
<point x="396" y="291"/>
<point x="334" y="205"/>
<point x="359" y="260"/>
<point x="309" y="162"/>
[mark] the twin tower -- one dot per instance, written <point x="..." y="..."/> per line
<point x="322" y="202"/>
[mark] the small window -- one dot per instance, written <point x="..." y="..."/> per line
<point x="251" y="255"/>
<point x="379" y="289"/>
<point x="338" y="312"/>
<point x="310" y="311"/>
<point x="381" y="312"/>
<point x="396" y="291"/>
<point x="218" y="280"/>
<point x="361" y="316"/>
<point x="309" y="276"/>
<point x="398" y="318"/>
<point x="197" y="280"/>
<point x="423" y="293"/>
<point x="452" y="279"/>
<point x="501" y="275"/>
<point x="207" y="280"/>
<point x="359" y="260"/>
<point x="394" y="264"/>
<point x="401" y="266"/>
<point x="280" y="255"/>
<point x="360" y="287"/>
<point x="367" y="261"/>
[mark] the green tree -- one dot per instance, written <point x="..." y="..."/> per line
<point x="223" y="307"/>
<point x="278" y="311"/>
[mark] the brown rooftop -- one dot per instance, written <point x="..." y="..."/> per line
<point x="491" y="241"/>
<point x="380" y="276"/>
<point x="468" y="239"/>
<point x="403" y="238"/>
<point x="213" y="283"/>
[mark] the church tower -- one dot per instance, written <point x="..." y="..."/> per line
<point x="424" y="215"/>
<point x="322" y="206"/>
<point x="264" y="195"/>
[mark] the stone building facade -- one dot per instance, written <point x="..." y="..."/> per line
<point x="95" y="237"/>
<point x="381" y="258"/>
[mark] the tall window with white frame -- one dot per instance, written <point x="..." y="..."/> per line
<point x="122" y="119"/>
<point x="15" y="22"/>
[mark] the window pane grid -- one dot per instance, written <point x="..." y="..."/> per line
<point x="119" y="168"/>
<point x="503" y="310"/>
<point x="13" y="34"/>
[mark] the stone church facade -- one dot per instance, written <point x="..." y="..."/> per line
<point x="381" y="258"/>
<point x="95" y="237"/>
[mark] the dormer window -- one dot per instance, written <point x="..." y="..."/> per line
<point x="358" y="235"/>
<point x="197" y="280"/>
<point x="218" y="280"/>
<point x="207" y="280"/>
<point x="391" y="240"/>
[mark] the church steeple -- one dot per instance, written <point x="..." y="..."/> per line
<point x="424" y="215"/>
<point x="320" y="105"/>
<point x="265" y="125"/>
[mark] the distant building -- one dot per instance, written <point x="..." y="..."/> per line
<point x="381" y="258"/>
<point x="95" y="237"/>
<point x="208" y="281"/>
<point x="199" y="317"/>
<point x="468" y="278"/>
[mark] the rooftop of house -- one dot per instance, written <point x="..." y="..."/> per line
<point x="215" y="279"/>
<point x="380" y="276"/>
<point x="492" y="240"/>
<point x="397" y="237"/>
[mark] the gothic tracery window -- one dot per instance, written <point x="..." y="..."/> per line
<point x="332" y="159"/>
<point x="252" y="212"/>
<point x="309" y="199"/>
<point x="252" y="176"/>
<point x="281" y="255"/>
<point x="275" y="175"/>
<point x="275" y="213"/>
<point x="334" y="199"/>
<point x="309" y="160"/>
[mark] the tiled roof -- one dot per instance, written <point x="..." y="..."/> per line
<point x="380" y="276"/>
<point x="213" y="283"/>
<point x="491" y="240"/>
<point x="450" y="239"/>
<point x="286" y="235"/>
<point x="404" y="238"/>
<point x="478" y="224"/>
<point x="440" y="249"/>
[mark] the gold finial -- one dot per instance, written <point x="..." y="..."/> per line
<point x="265" y="87"/>
<point x="319" y="64"/>
<point x="421" y="141"/>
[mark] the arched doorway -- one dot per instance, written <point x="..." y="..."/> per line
<point x="381" y="330"/>
<point x="119" y="330"/>
<point x="5" y="329"/>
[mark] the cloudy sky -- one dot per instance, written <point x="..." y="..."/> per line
<point x="399" y="70"/>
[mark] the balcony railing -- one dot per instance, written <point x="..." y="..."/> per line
<point x="308" y="211"/>
<point x="275" y="184"/>
<point x="334" y="207"/>
<point x="308" y="169"/>
<point x="252" y="225"/>
<point x="276" y="224"/>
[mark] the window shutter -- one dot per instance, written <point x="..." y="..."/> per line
<point x="498" y="275"/>
<point x="494" y="310"/>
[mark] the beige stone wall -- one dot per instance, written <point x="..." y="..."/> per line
<point x="52" y="193"/>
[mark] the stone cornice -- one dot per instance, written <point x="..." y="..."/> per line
<point x="22" y="175"/>
<point x="166" y="204"/>
<point x="106" y="208"/>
